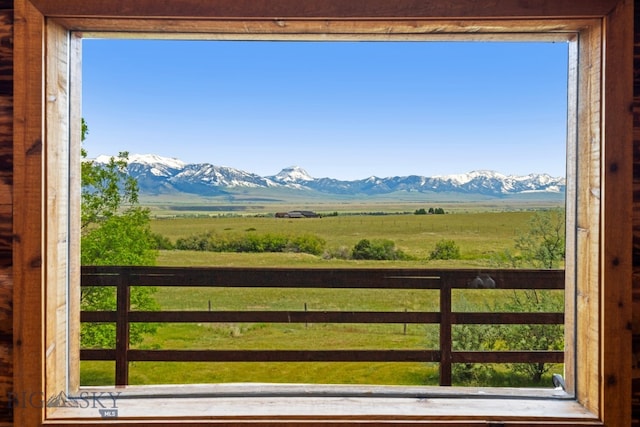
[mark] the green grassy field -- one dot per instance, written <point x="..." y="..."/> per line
<point x="480" y="236"/>
<point x="257" y="201"/>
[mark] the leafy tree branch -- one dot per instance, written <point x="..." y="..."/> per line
<point x="115" y="230"/>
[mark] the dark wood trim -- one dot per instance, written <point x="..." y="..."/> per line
<point x="369" y="278"/>
<point x="6" y="205"/>
<point x="28" y="146"/>
<point x="323" y="9"/>
<point x="617" y="210"/>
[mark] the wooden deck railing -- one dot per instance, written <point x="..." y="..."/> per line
<point x="443" y="280"/>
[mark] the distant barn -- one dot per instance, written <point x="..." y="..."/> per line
<point x="297" y="214"/>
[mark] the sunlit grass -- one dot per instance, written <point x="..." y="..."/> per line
<point x="410" y="373"/>
<point x="479" y="235"/>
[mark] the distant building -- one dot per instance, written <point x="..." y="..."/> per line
<point x="297" y="214"/>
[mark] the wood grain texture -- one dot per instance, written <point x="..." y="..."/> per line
<point x="6" y="340"/>
<point x="278" y="29"/>
<point x="75" y="143"/>
<point x="57" y="197"/>
<point x="588" y="221"/>
<point x="636" y="218"/>
<point x="6" y="109"/>
<point x="320" y="9"/>
<point x="28" y="326"/>
<point x="6" y="208"/>
<point x="616" y="259"/>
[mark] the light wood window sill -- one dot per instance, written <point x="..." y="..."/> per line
<point x="297" y="403"/>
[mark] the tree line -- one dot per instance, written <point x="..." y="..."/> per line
<point x="431" y="211"/>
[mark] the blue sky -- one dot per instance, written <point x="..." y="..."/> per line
<point x="344" y="110"/>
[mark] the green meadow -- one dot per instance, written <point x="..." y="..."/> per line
<point x="481" y="235"/>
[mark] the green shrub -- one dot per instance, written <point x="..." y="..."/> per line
<point x="381" y="249"/>
<point x="445" y="249"/>
<point x="198" y="242"/>
<point x="259" y="243"/>
<point x="534" y="336"/>
<point x="473" y="338"/>
<point x="161" y="242"/>
<point x="307" y="243"/>
<point x="252" y="242"/>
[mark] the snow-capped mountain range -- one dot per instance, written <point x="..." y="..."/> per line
<point x="158" y="175"/>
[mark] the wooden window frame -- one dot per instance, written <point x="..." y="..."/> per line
<point x="46" y="136"/>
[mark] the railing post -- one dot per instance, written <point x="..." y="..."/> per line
<point x="445" y="333"/>
<point x="122" y="328"/>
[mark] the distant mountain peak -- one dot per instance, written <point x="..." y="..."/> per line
<point x="148" y="159"/>
<point x="464" y="178"/>
<point x="292" y="174"/>
<point x="172" y="162"/>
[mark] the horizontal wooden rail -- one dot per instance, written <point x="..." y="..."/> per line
<point x="266" y="316"/>
<point x="324" y="317"/>
<point x="507" y="356"/>
<point x="444" y="281"/>
<point x="270" y="355"/>
<point x="366" y="278"/>
<point x="328" y="356"/>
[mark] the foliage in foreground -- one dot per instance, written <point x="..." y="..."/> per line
<point x="534" y="337"/>
<point x="541" y="246"/>
<point x="115" y="231"/>
<point x="511" y="337"/>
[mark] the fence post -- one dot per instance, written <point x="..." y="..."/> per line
<point x="445" y="333"/>
<point x="122" y="328"/>
<point x="404" y="328"/>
